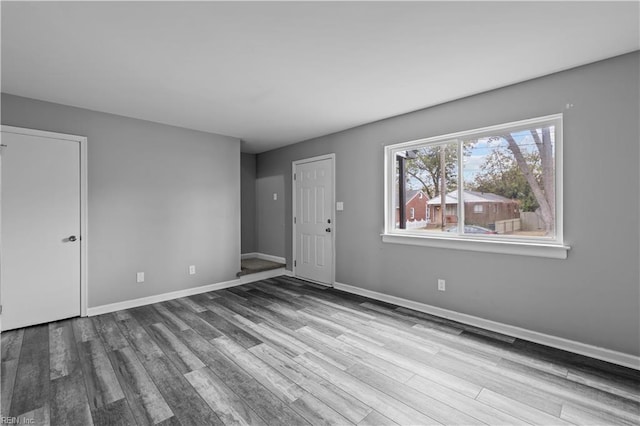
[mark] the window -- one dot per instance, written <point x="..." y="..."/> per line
<point x="412" y="212"/>
<point x="514" y="167"/>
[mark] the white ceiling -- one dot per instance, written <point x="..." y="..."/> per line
<point x="277" y="73"/>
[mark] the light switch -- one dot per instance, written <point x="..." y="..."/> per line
<point x="275" y="195"/>
<point x="140" y="277"/>
<point x="339" y="206"/>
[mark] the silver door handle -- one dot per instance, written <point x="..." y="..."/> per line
<point x="328" y="229"/>
<point x="72" y="238"/>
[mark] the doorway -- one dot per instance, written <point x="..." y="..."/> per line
<point x="314" y="219"/>
<point x="42" y="227"/>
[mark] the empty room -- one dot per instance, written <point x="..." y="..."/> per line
<point x="320" y="213"/>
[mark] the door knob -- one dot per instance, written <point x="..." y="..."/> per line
<point x="72" y="238"/>
<point x="328" y="229"/>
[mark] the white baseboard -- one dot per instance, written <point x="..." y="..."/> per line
<point x="263" y="256"/>
<point x="127" y="304"/>
<point x="603" y="354"/>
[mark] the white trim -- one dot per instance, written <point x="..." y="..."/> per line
<point x="84" y="224"/>
<point x="128" y="304"/>
<point x="255" y="255"/>
<point x="294" y="164"/>
<point x="84" y="201"/>
<point x="608" y="355"/>
<point x="482" y="245"/>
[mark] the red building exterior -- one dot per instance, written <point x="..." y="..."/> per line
<point x="416" y="206"/>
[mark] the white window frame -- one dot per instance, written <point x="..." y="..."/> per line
<point x="528" y="246"/>
<point x="478" y="208"/>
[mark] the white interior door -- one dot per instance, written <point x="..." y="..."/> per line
<point x="313" y="220"/>
<point x="40" y="269"/>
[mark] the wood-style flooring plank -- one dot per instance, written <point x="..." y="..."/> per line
<point x="518" y="409"/>
<point x="483" y="412"/>
<point x="117" y="413"/>
<point x="587" y="416"/>
<point x="188" y="407"/>
<point x="316" y="412"/>
<point x="63" y="355"/>
<point x="270" y="378"/>
<point x="228" y="406"/>
<point x="83" y="329"/>
<point x="608" y="384"/>
<point x="174" y="349"/>
<point x="230" y="330"/>
<point x="171" y="320"/>
<point x="190" y="304"/>
<point x="11" y="343"/>
<point x="376" y="419"/>
<point x="145" y="400"/>
<point x="39" y="416"/>
<point x="567" y="390"/>
<point x="196" y="322"/>
<point x="68" y="402"/>
<point x="100" y="379"/>
<point x="31" y="388"/>
<point x="213" y="358"/>
<point x="139" y="339"/>
<point x="340" y="401"/>
<point x="388" y="406"/>
<point x="493" y="380"/>
<point x="457" y="325"/>
<point x="431" y="407"/>
<point x="222" y="305"/>
<point x="146" y="315"/>
<point x="8" y="372"/>
<point x="284" y="351"/>
<point x="357" y="355"/>
<point x="108" y="330"/>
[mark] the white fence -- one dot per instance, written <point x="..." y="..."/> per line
<point x="416" y="224"/>
<point x="508" y="225"/>
<point x="531" y="221"/>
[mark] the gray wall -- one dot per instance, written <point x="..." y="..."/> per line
<point x="591" y="297"/>
<point x="160" y="198"/>
<point x="248" y="202"/>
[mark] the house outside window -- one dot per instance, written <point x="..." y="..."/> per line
<point x="514" y="167"/>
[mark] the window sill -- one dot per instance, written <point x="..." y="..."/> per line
<point x="535" y="249"/>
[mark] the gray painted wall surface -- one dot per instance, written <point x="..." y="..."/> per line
<point x="248" y="202"/>
<point x="591" y="297"/>
<point x="161" y="198"/>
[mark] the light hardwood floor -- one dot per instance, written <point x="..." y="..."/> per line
<point x="285" y="352"/>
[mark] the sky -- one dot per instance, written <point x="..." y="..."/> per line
<point x="482" y="147"/>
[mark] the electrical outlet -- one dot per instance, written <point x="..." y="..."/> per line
<point x="140" y="277"/>
<point x="441" y="285"/>
<point x="192" y="269"/>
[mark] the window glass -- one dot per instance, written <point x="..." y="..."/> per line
<point x="506" y="180"/>
<point x="432" y="169"/>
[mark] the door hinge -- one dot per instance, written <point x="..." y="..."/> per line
<point x="294" y="176"/>
<point x="0" y="309"/>
<point x="295" y="263"/>
<point x="294" y="220"/>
